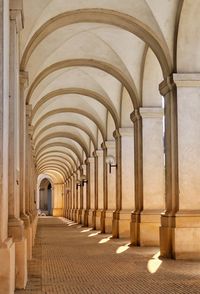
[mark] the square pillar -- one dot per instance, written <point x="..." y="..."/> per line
<point x="153" y="175"/>
<point x="92" y="193"/>
<point x="186" y="223"/>
<point x="100" y="189"/>
<point x="125" y="170"/>
<point x="111" y="201"/>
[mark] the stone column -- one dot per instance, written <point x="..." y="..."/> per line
<point x="65" y="198"/>
<point x="185" y="227"/>
<point x="168" y="91"/>
<point x="111" y="203"/>
<point x="78" y="196"/>
<point x="58" y="199"/>
<point x="67" y="191"/>
<point x="84" y="192"/>
<point x="28" y="163"/>
<point x="15" y="224"/>
<point x="125" y="182"/>
<point x="153" y="175"/>
<point x="23" y="215"/>
<point x="100" y="189"/>
<point x="7" y="246"/>
<point x="74" y="191"/>
<point x="138" y="168"/>
<point x="92" y="192"/>
<point x="71" y="197"/>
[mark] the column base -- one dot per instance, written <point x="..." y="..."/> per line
<point x="180" y="235"/>
<point x="57" y="212"/>
<point x="85" y="217"/>
<point x="16" y="229"/>
<point x="124" y="219"/>
<point x="134" y="228"/>
<point x="34" y="228"/>
<point x="115" y="224"/>
<point x="108" y="221"/>
<point x="28" y="234"/>
<point x="21" y="263"/>
<point x="7" y="271"/>
<point x="149" y="228"/>
<point x="74" y="215"/>
<point x="144" y="228"/>
<point x="70" y="214"/>
<point x="91" y="218"/>
<point x="99" y="220"/>
<point x="79" y="216"/>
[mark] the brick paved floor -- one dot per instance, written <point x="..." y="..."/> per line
<point x="68" y="258"/>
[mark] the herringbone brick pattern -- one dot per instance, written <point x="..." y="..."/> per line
<point x="68" y="258"/>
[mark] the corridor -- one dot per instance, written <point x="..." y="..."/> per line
<point x="69" y="258"/>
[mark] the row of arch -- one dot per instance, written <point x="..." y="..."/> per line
<point x="83" y="91"/>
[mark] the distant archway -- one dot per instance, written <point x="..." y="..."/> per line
<point x="45" y="197"/>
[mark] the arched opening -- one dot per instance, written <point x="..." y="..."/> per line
<point x="45" y="197"/>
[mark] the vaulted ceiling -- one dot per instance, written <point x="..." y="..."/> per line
<point x="90" y="64"/>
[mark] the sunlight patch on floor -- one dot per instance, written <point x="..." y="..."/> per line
<point x="94" y="234"/>
<point x="86" y="230"/>
<point x="123" y="248"/>
<point x="154" y="263"/>
<point x="105" y="240"/>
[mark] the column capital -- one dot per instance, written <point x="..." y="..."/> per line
<point x="16" y="13"/>
<point x="187" y="79"/>
<point x="103" y="146"/>
<point x="24" y="79"/>
<point x="110" y="144"/>
<point x="152" y="112"/>
<point x="123" y="132"/>
<point x="99" y="153"/>
<point x="29" y="110"/>
<point x="167" y="85"/>
<point x="83" y="166"/>
<point x="30" y="130"/>
<point x="90" y="159"/>
<point x="135" y="115"/>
